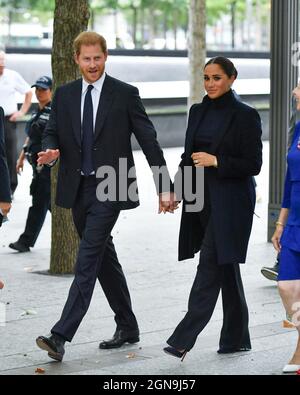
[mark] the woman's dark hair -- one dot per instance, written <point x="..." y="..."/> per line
<point x="226" y="65"/>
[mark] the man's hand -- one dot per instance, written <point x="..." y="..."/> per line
<point x="5" y="207"/>
<point x="203" y="159"/>
<point x="16" y="115"/>
<point x="167" y="202"/>
<point x="48" y="156"/>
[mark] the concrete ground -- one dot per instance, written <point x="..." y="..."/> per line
<point x="31" y="301"/>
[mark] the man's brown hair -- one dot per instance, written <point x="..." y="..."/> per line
<point x="89" y="38"/>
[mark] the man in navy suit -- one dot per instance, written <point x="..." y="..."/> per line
<point x="5" y="198"/>
<point x="90" y="128"/>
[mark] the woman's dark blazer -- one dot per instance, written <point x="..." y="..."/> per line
<point x="238" y="149"/>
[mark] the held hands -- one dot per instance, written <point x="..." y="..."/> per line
<point x="5" y="207"/>
<point x="203" y="159"/>
<point x="167" y="202"/>
<point x="48" y="156"/>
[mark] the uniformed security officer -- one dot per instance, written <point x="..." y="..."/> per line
<point x="40" y="187"/>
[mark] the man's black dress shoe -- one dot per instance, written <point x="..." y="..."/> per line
<point x="229" y="350"/>
<point x="54" y="344"/>
<point x="119" y="338"/>
<point x="18" y="246"/>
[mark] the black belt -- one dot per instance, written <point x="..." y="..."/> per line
<point x="89" y="177"/>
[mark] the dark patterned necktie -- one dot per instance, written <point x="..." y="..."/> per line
<point x="87" y="133"/>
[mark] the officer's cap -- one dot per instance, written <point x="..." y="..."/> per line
<point x="43" y="82"/>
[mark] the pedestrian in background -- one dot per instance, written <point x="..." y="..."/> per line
<point x="224" y="137"/>
<point x="286" y="240"/>
<point x="11" y="83"/>
<point x="40" y="188"/>
<point x="271" y="273"/>
<point x="5" y="198"/>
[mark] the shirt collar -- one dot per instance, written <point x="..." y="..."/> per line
<point x="97" y="85"/>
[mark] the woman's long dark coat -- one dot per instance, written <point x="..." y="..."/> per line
<point x="238" y="149"/>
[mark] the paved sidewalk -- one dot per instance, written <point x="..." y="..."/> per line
<point x="147" y="247"/>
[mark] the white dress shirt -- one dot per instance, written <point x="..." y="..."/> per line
<point x="96" y="92"/>
<point x="10" y="83"/>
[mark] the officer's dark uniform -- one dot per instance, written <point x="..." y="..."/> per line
<point x="40" y="187"/>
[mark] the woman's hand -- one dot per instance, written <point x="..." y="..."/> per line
<point x="5" y="207"/>
<point x="276" y="237"/>
<point x="20" y="165"/>
<point x="203" y="159"/>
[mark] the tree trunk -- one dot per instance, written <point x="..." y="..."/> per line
<point x="175" y="16"/>
<point x="259" y="27"/>
<point x="70" y="18"/>
<point x="116" y="29"/>
<point x="135" y="22"/>
<point x="165" y="27"/>
<point x="92" y="19"/>
<point x="233" y="10"/>
<point x="196" y="49"/>
<point x="142" y="26"/>
<point x="249" y="22"/>
<point x="10" y="14"/>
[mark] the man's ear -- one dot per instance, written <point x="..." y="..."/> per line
<point x="76" y="58"/>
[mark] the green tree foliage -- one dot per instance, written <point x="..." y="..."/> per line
<point x="15" y="9"/>
<point x="218" y="8"/>
<point x="149" y="19"/>
<point x="215" y="8"/>
<point x="28" y="5"/>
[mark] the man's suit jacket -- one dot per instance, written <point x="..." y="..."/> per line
<point x="238" y="149"/>
<point x="120" y="113"/>
<point x="4" y="177"/>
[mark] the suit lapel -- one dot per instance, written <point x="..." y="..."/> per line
<point x="75" y="100"/>
<point x="105" y="102"/>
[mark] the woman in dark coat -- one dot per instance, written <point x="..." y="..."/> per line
<point x="224" y="137"/>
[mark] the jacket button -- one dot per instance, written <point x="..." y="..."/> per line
<point x="95" y="149"/>
<point x="78" y="170"/>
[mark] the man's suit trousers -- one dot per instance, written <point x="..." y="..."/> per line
<point x="96" y="258"/>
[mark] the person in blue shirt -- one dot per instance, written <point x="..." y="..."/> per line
<point x="286" y="240"/>
<point x="271" y="273"/>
